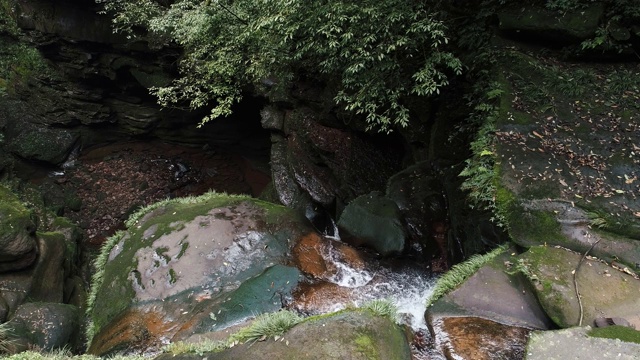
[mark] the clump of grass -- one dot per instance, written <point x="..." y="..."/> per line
<point x="66" y="355"/>
<point x="266" y="326"/>
<point x="461" y="272"/>
<point x="200" y="348"/>
<point x="6" y="338"/>
<point x="98" y="278"/>
<point x="382" y="307"/>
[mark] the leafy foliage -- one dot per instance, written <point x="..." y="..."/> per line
<point x="376" y="53"/>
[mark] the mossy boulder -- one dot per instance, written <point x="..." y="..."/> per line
<point x="356" y="335"/>
<point x="375" y="221"/>
<point x="191" y="266"/>
<point x="17" y="233"/>
<point x="605" y="291"/>
<point x="47" y="326"/>
<point x="495" y="292"/>
<point x="41" y="143"/>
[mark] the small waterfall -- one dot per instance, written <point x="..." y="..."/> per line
<point x="408" y="287"/>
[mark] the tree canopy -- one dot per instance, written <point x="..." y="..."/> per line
<point x="377" y="52"/>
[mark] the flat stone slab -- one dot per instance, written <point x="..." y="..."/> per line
<point x="575" y="344"/>
<point x="494" y="294"/>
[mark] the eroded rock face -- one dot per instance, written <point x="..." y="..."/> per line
<point x="327" y="165"/>
<point x="196" y="268"/>
<point x="47" y="326"/>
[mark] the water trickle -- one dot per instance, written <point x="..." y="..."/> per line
<point x="407" y="285"/>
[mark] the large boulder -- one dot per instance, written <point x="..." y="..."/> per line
<point x="375" y="221"/>
<point x="495" y="292"/>
<point x="605" y="291"/>
<point x="566" y="158"/>
<point x="47" y="326"/>
<point x="346" y="335"/>
<point x="192" y="266"/>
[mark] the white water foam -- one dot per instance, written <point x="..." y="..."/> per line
<point x="408" y="288"/>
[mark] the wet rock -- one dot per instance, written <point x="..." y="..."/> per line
<point x="494" y="292"/>
<point x="374" y="220"/>
<point x="272" y="118"/>
<point x="289" y="194"/>
<point x="17" y="240"/>
<point x="328" y="164"/>
<point x="481" y="339"/>
<point x="47" y="326"/>
<point x="49" y="273"/>
<point x="575" y="343"/>
<point x="419" y="194"/>
<point x="318" y="257"/>
<point x="196" y="266"/>
<point x="346" y="335"/>
<point x="604" y="290"/>
<point x="538" y="23"/>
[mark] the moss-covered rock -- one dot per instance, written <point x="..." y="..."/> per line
<point x="17" y="229"/>
<point x="375" y="221"/>
<point x="191" y="266"/>
<point x="563" y="174"/>
<point x="47" y="326"/>
<point x="604" y="291"/>
<point x="346" y="335"/>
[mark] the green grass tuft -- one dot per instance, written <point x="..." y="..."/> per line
<point x="136" y="216"/>
<point x="266" y="326"/>
<point x="98" y="277"/>
<point x="382" y="307"/>
<point x="66" y="355"/>
<point x="200" y="348"/>
<point x="461" y="272"/>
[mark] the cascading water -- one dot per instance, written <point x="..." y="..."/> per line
<point x="407" y="285"/>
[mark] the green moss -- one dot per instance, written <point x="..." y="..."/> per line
<point x="173" y="276"/>
<point x="366" y="347"/>
<point x="184" y="245"/>
<point x="16" y="218"/>
<point x="616" y="332"/>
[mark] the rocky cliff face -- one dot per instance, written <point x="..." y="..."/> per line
<point x="85" y="86"/>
